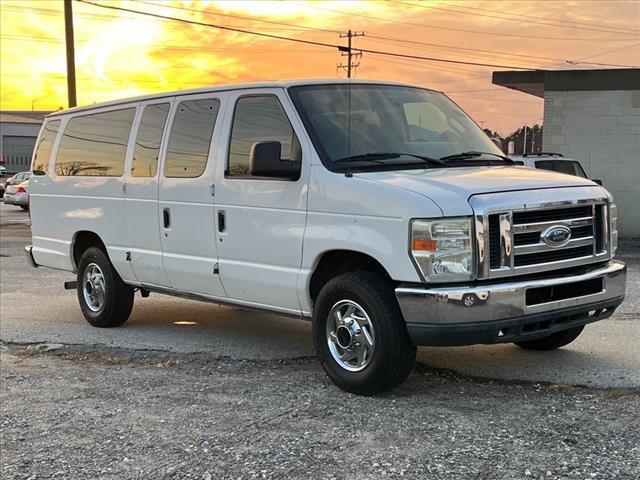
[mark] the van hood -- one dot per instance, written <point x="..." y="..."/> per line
<point x="450" y="188"/>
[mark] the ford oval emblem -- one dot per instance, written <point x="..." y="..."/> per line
<point x="556" y="235"/>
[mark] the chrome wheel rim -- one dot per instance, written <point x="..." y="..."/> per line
<point x="93" y="287"/>
<point x="350" y="336"/>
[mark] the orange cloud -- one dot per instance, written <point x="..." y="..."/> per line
<point x="121" y="54"/>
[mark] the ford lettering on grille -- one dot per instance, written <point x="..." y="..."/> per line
<point x="556" y="235"/>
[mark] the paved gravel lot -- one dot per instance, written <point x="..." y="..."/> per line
<point x="237" y="394"/>
<point x="109" y="414"/>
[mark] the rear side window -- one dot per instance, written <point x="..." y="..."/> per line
<point x="44" y="147"/>
<point x="147" y="147"/>
<point x="562" y="166"/>
<point x="95" y="145"/>
<point x="259" y="119"/>
<point x="190" y="138"/>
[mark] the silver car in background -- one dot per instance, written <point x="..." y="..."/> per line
<point x="17" y="195"/>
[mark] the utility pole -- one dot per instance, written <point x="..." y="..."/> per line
<point x="348" y="51"/>
<point x="71" y="63"/>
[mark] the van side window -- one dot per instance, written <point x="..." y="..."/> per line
<point x="259" y="119"/>
<point x="95" y="145"/>
<point x="44" y="147"/>
<point x="147" y="146"/>
<point x="190" y="138"/>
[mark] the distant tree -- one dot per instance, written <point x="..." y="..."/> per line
<point x="492" y="134"/>
<point x="534" y="139"/>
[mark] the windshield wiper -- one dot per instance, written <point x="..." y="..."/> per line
<point x="375" y="156"/>
<point x="474" y="154"/>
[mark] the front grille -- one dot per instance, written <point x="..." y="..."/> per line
<point x="552" y="256"/>
<point x="494" y="241"/>
<point x="526" y="238"/>
<point x="550" y="215"/>
<point x="516" y="244"/>
<point x="534" y="237"/>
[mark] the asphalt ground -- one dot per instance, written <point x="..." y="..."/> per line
<point x="35" y="308"/>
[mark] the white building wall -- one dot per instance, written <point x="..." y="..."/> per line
<point x="601" y="129"/>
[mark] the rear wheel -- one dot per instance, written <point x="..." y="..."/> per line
<point x="106" y="301"/>
<point x="553" y="341"/>
<point x="359" y="334"/>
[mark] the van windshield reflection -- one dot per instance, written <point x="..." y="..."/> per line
<point x="353" y="122"/>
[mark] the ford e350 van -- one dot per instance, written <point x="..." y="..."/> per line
<point x="380" y="211"/>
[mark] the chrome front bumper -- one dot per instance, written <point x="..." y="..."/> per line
<point x="500" y="311"/>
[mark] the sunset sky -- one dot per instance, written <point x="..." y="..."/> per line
<point x="120" y="54"/>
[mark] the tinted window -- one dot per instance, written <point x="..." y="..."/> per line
<point x="347" y="121"/>
<point x="44" y="147"/>
<point x="190" y="138"/>
<point x="562" y="166"/>
<point x="259" y="119"/>
<point x="147" y="147"/>
<point x="95" y="144"/>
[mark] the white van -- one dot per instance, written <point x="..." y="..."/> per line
<point x="380" y="211"/>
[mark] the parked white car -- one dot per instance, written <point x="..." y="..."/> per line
<point x="555" y="162"/>
<point x="380" y="211"/>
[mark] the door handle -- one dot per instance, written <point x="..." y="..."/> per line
<point x="222" y="224"/>
<point x="166" y="218"/>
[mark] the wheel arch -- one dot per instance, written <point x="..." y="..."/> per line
<point x="332" y="263"/>
<point x="82" y="240"/>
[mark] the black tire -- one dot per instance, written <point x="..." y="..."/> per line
<point x="394" y="354"/>
<point x="118" y="298"/>
<point x="25" y="207"/>
<point x="553" y="341"/>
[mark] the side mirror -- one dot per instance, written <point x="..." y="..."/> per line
<point x="264" y="161"/>
<point x="498" y="143"/>
<point x="596" y="180"/>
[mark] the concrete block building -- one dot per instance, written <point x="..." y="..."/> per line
<point x="594" y="117"/>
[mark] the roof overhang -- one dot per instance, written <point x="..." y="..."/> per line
<point x="536" y="82"/>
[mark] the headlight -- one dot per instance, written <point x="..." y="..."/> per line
<point x="442" y="249"/>
<point x="613" y="226"/>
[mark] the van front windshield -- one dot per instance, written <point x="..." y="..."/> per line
<point x="382" y="126"/>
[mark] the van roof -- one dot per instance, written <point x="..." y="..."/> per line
<point x="227" y="87"/>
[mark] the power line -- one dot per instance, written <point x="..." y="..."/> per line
<point x="609" y="51"/>
<point x="221" y="27"/>
<point x="456" y="70"/>
<point x="535" y="22"/>
<point x="175" y="7"/>
<point x="180" y="48"/>
<point x="391" y="40"/>
<point x="299" y="40"/>
<point x="435" y="59"/>
<point x="395" y="41"/>
<point x="478" y="32"/>
<point x="538" y="18"/>
<point x="55" y="13"/>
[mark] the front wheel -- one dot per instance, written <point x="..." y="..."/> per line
<point x="553" y="341"/>
<point x="359" y="334"/>
<point x="106" y="301"/>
